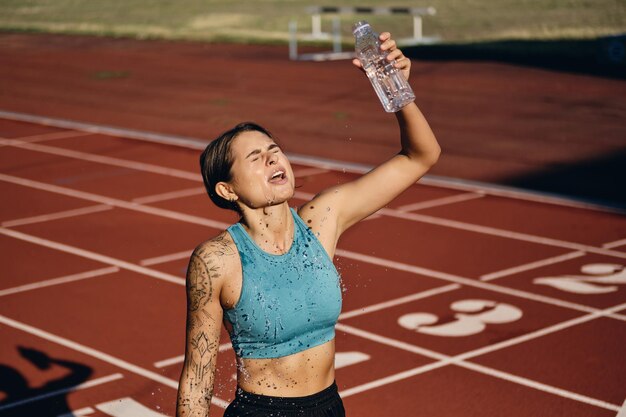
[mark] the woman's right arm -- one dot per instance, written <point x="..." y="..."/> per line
<point x="204" y="319"/>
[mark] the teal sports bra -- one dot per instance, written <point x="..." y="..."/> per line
<point x="288" y="303"/>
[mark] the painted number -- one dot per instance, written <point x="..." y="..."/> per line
<point x="472" y="317"/>
<point x="597" y="279"/>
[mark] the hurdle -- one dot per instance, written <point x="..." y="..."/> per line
<point x="317" y="12"/>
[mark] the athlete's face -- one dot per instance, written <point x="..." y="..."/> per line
<point x="262" y="175"/>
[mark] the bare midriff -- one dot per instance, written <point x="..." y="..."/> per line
<point x="303" y="373"/>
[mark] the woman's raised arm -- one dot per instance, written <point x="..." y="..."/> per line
<point x="204" y="319"/>
<point x="353" y="201"/>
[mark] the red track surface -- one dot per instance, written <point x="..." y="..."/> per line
<point x="90" y="287"/>
<point x="96" y="246"/>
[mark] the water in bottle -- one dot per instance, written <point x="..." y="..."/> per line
<point x="392" y="88"/>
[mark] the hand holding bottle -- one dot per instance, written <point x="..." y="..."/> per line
<point x="393" y="53"/>
<point x="385" y="65"/>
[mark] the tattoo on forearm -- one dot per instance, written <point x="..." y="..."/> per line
<point x="196" y="388"/>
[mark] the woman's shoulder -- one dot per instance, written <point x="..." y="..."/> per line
<point x="219" y="251"/>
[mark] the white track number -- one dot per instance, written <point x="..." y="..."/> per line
<point x="597" y="279"/>
<point x="472" y="317"/>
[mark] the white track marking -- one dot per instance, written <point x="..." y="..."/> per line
<point x="440" y="201"/>
<point x="94" y="256"/>
<point x="60" y="280"/>
<point x="169" y="195"/>
<point x="385" y="211"/>
<point x="499" y="232"/>
<point x="398" y="301"/>
<point x="344" y="359"/>
<point x="50" y="136"/>
<point x="84" y="385"/>
<point x="114" y="202"/>
<point x="180" y="358"/>
<point x="461" y="280"/>
<point x="316" y="162"/>
<point x="222" y="226"/>
<point x="127" y="407"/>
<point x="622" y="411"/>
<point x="120" y="363"/>
<point x="391" y="379"/>
<point x="538" y="386"/>
<point x="191" y="143"/>
<point x="460" y="360"/>
<point x="85" y="411"/>
<point x="615" y="244"/>
<point x="186" y="254"/>
<point x="55" y="216"/>
<point x="531" y="265"/>
<point x="308" y="172"/>
<point x="608" y="312"/>
<point x="84" y="156"/>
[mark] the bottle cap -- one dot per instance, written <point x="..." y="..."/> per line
<point x="360" y="25"/>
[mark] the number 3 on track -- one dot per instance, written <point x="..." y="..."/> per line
<point x="472" y="317"/>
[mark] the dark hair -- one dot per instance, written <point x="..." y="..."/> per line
<point x="216" y="161"/>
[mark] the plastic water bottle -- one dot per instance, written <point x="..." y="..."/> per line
<point x="392" y="88"/>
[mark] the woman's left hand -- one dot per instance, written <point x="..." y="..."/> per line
<point x="393" y="53"/>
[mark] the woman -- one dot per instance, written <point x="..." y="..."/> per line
<point x="270" y="277"/>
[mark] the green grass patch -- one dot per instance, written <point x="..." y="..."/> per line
<point x="267" y="21"/>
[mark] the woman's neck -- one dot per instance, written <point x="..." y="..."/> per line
<point x="271" y="227"/>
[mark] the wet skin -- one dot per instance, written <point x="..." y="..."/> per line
<point x="262" y="185"/>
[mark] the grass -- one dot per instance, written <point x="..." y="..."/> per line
<point x="265" y="21"/>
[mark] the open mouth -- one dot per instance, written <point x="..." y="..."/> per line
<point x="278" y="177"/>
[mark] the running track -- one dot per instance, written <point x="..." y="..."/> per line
<point x="459" y="300"/>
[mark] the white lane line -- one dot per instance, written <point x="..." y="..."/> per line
<point x="459" y="360"/>
<point x="192" y="143"/>
<point x="84" y="385"/>
<point x="615" y="244"/>
<point x="570" y="395"/>
<point x="531" y="265"/>
<point x="170" y="195"/>
<point x="607" y="312"/>
<point x="544" y="262"/>
<point x="60" y="280"/>
<point x="92" y="255"/>
<point x="622" y="411"/>
<point x="440" y="201"/>
<point x="391" y="379"/>
<point x="55" y="216"/>
<point x="120" y="363"/>
<point x="398" y="301"/>
<point x="50" y="136"/>
<point x="462" y="280"/>
<point x="180" y="358"/>
<point x="499" y="232"/>
<point x="316" y="162"/>
<point x="385" y="211"/>
<point x="384" y="340"/>
<point x="114" y="202"/>
<point x="222" y="226"/>
<point x="84" y="156"/>
<point x="308" y="172"/>
<point x="186" y="254"/>
<point x="85" y="411"/>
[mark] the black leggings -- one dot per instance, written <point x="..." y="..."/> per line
<point x="326" y="403"/>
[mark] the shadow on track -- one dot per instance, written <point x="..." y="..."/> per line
<point x="49" y="400"/>
<point x="603" y="57"/>
<point x="599" y="180"/>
